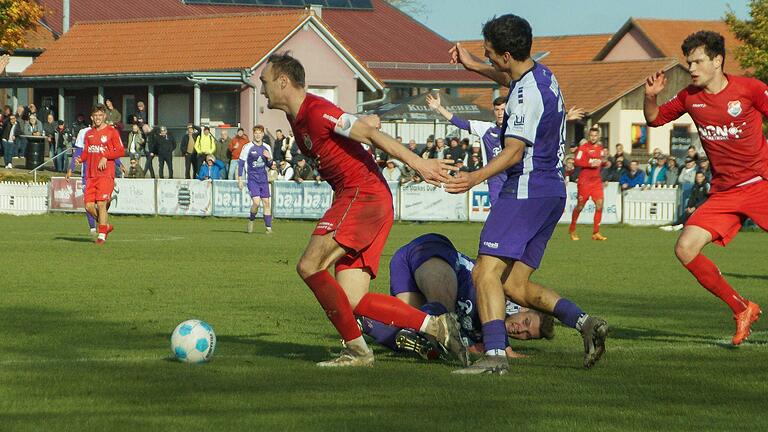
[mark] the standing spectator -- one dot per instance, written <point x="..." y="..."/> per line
<point x="32" y="110"/>
<point x="391" y="172"/>
<point x="78" y="124"/>
<point x="141" y="113"/>
<point x="302" y="171"/>
<point x="653" y="160"/>
<point x="440" y="150"/>
<point x="114" y="117"/>
<point x="163" y="146"/>
<point x="235" y="147"/>
<point x="429" y="149"/>
<point x="658" y="172"/>
<point x="34" y="127"/>
<point x="22" y="115"/>
<point x="672" y="171"/>
<point x="699" y="194"/>
<point x="633" y="177"/>
<point x="278" y="150"/>
<point x="619" y="153"/>
<point x="10" y="132"/>
<point x="188" y="151"/>
<point x="693" y="153"/>
<point x="687" y="175"/>
<point x="294" y="148"/>
<point x="474" y="163"/>
<point x="134" y="170"/>
<point x="620" y="166"/>
<point x="150" y="135"/>
<point x="704" y="168"/>
<point x="412" y="146"/>
<point x="135" y="143"/>
<point x="211" y="169"/>
<point x="60" y="142"/>
<point x="455" y="152"/>
<point x="49" y="129"/>
<point x="284" y="171"/>
<point x="608" y="173"/>
<point x="205" y="144"/>
<point x="222" y="149"/>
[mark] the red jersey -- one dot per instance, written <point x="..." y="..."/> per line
<point x="102" y="143"/>
<point x="343" y="162"/>
<point x="730" y="125"/>
<point x="586" y="153"/>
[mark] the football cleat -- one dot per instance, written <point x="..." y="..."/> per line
<point x="349" y="358"/>
<point x="574" y="236"/>
<point x="446" y="332"/>
<point x="410" y="341"/>
<point x="594" y="331"/>
<point x="744" y="322"/>
<point x="599" y="237"/>
<point x="269" y="230"/>
<point x="488" y="364"/>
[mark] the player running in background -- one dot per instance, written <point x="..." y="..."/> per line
<point x="590" y="157"/>
<point x="429" y="273"/>
<point x="352" y="233"/>
<point x="532" y="200"/>
<point x="73" y="163"/>
<point x="102" y="146"/>
<point x="728" y="111"/>
<point x="256" y="159"/>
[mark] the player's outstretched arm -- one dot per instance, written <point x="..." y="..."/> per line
<point x="654" y="84"/>
<point x="461" y="55"/>
<point x="510" y="155"/>
<point x="434" y="171"/>
<point x="433" y="102"/>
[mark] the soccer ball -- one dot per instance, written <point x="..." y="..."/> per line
<point x="193" y="341"/>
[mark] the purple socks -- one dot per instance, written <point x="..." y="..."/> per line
<point x="495" y="335"/>
<point x="567" y="312"/>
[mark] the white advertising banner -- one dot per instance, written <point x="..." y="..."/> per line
<point x="479" y="203"/>
<point x="230" y="201"/>
<point x="66" y="195"/>
<point x="307" y="200"/>
<point x="424" y="202"/>
<point x="133" y="196"/>
<point x="611" y="205"/>
<point x="184" y="197"/>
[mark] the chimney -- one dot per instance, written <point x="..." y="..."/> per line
<point x="317" y="10"/>
<point x="65" y="17"/>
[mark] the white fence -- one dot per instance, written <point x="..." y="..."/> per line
<point x="309" y="200"/>
<point x="23" y="198"/>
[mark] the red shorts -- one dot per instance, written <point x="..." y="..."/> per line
<point x="587" y="190"/>
<point x="360" y="222"/>
<point x="724" y="212"/>
<point x="99" y="189"/>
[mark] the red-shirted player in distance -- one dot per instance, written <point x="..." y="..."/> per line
<point x="101" y="147"/>
<point x="590" y="157"/>
<point x="352" y="233"/>
<point x="728" y="111"/>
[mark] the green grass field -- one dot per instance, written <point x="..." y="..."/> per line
<point x="85" y="353"/>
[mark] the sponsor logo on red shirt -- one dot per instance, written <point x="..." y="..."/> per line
<point x="734" y="108"/>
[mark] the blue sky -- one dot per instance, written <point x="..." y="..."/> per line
<point x="463" y="19"/>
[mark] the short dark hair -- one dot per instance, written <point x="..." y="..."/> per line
<point x="547" y="326"/>
<point x="99" y="107"/>
<point x="501" y="100"/>
<point x="278" y="130"/>
<point x="240" y="129"/>
<point x="509" y="33"/>
<point x="713" y="43"/>
<point x="285" y="64"/>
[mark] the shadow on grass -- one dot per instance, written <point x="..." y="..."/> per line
<point x="746" y="276"/>
<point x="657" y="335"/>
<point x="75" y="239"/>
<point x="229" y="231"/>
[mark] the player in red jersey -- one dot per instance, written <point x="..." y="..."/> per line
<point x="728" y="111"/>
<point x="101" y="147"/>
<point x="352" y="233"/>
<point x="590" y="157"/>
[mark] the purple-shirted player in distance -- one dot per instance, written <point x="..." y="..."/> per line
<point x="79" y="144"/>
<point x="532" y="199"/>
<point x="256" y="159"/>
<point x="430" y="274"/>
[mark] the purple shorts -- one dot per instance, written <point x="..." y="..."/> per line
<point x="410" y="257"/>
<point x="258" y="189"/>
<point x="520" y="229"/>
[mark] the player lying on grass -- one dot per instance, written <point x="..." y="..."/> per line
<point x="429" y="273"/>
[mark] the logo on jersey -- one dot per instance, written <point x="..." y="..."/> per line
<point x="734" y="108"/>
<point x="722" y="133"/>
<point x="307" y="141"/>
<point x="104" y="139"/>
<point x="519" y="120"/>
<point x="699" y="105"/>
<point x="491" y="245"/>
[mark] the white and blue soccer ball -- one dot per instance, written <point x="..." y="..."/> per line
<point x="193" y="341"/>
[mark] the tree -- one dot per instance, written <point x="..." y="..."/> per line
<point x="17" y="17"/>
<point x="753" y="33"/>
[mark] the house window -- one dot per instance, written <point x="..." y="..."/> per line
<point x="640" y="136"/>
<point x="129" y="107"/>
<point x="679" y="140"/>
<point x="324" y="92"/>
<point x="220" y="108"/>
<point x="605" y="134"/>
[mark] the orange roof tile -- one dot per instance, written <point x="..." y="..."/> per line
<point x="39" y="38"/>
<point x="594" y="85"/>
<point x="167" y="44"/>
<point x="562" y="49"/>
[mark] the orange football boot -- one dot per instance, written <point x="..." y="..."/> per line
<point x="744" y="321"/>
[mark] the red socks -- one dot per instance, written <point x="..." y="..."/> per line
<point x="334" y="301"/>
<point x="574" y="218"/>
<point x="706" y="272"/>
<point x="596" y="223"/>
<point x="390" y="310"/>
